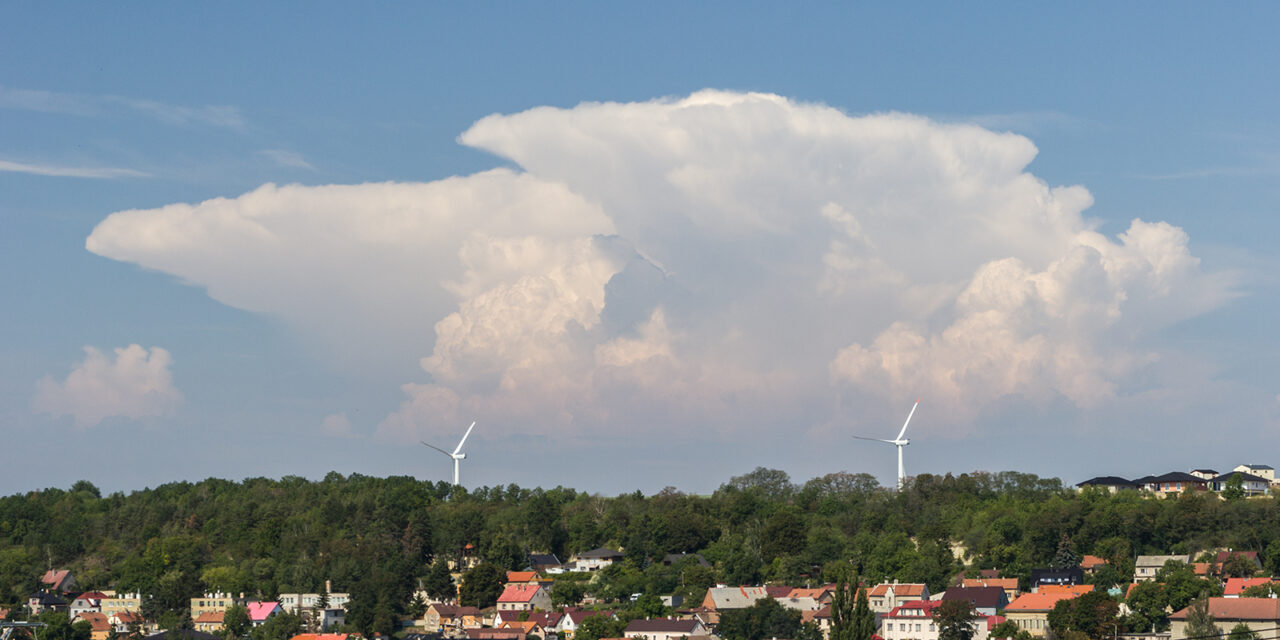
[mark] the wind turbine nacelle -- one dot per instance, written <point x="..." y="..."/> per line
<point x="905" y="441"/>
<point x="459" y="456"/>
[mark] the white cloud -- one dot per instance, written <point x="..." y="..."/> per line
<point x="96" y="105"/>
<point x="69" y="172"/>
<point x="725" y="258"/>
<point x="286" y="158"/>
<point x="136" y="384"/>
<point x="336" y="425"/>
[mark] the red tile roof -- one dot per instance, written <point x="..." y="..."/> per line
<point x="901" y="590"/>
<point x="522" y="576"/>
<point x="96" y="620"/>
<point x="210" y="617"/>
<point x="519" y="593"/>
<point x="1092" y="562"/>
<point x="1239" y="609"/>
<point x="1236" y="585"/>
<point x="1077" y="589"/>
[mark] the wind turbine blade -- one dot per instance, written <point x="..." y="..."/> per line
<point x="464" y="438"/>
<point x="437" y="448"/>
<point x="875" y="440"/>
<point x="904" y="425"/>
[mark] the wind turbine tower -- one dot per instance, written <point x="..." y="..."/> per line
<point x="456" y="456"/>
<point x="899" y="442"/>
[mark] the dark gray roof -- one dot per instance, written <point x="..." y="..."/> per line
<point x="1244" y="477"/>
<point x="673" y="558"/>
<point x="1107" y="481"/>
<point x="601" y="553"/>
<point x="662" y="625"/>
<point x="543" y="559"/>
<point x="1177" y="476"/>
<point x="1258" y="466"/>
<point x="985" y="597"/>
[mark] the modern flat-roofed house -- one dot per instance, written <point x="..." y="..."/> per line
<point x="664" y="629"/>
<point x="1146" y="567"/>
<point x="1261" y="615"/>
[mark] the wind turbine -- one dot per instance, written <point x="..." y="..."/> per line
<point x="899" y="442"/>
<point x="455" y="456"/>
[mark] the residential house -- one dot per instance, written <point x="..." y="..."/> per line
<point x="89" y="601"/>
<point x="677" y="558"/>
<point x="1088" y="564"/>
<point x="1146" y="567"/>
<point x="125" y="622"/>
<point x="1261" y="615"/>
<point x="596" y="559"/>
<point x="209" y="621"/>
<point x="1207" y="474"/>
<point x="527" y="627"/>
<point x="1173" y="483"/>
<point x="42" y="601"/>
<point x="215" y="602"/>
<point x="260" y="611"/>
<point x="885" y="596"/>
<point x="822" y="594"/>
<point x="523" y="577"/>
<point x="1235" y="586"/>
<point x="664" y="629"/>
<point x="99" y="625"/>
<point x="444" y="618"/>
<point x="301" y="603"/>
<point x="1009" y="585"/>
<point x="573" y="619"/>
<point x="821" y="617"/>
<point x="1076" y="589"/>
<point x="541" y="562"/>
<point x="1050" y="577"/>
<point x="720" y="598"/>
<point x="59" y="580"/>
<point x="120" y="602"/>
<point x="913" y="620"/>
<point x="524" y="597"/>
<point x="985" y="600"/>
<point x="1260" y="470"/>
<point x="1252" y="485"/>
<point x="1031" y="611"/>
<point x="1107" y="483"/>
<point x="1251" y="558"/>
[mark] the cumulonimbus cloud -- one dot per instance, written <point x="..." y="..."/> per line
<point x="726" y="258"/>
<point x="136" y="384"/>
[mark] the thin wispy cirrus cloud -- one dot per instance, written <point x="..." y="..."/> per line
<point x="136" y="383"/>
<point x="286" y="158"/>
<point x="69" y="171"/>
<point x="729" y="260"/>
<point x="87" y="105"/>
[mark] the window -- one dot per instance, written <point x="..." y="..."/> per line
<point x="917" y="626"/>
<point x="902" y="626"/>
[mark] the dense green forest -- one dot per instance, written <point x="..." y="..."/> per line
<point x="379" y="538"/>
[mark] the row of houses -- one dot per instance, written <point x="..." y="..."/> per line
<point x="1255" y="480"/>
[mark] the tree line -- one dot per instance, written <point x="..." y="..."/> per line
<point x="380" y="539"/>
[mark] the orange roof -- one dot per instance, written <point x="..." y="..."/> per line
<point x="1236" y="585"/>
<point x="1200" y="568"/>
<point x="526" y="626"/>
<point x="900" y="590"/>
<point x="209" y="617"/>
<point x="96" y="620"/>
<point x="522" y="576"/>
<point x="1239" y="609"/>
<point x="1090" y="562"/>
<point x="320" y="636"/>
<point x="1077" y="589"/>
<point x="1038" y="601"/>
<point x="519" y="593"/>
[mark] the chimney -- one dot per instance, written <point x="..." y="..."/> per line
<point x="328" y="587"/>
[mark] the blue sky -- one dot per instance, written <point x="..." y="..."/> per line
<point x="779" y="228"/>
